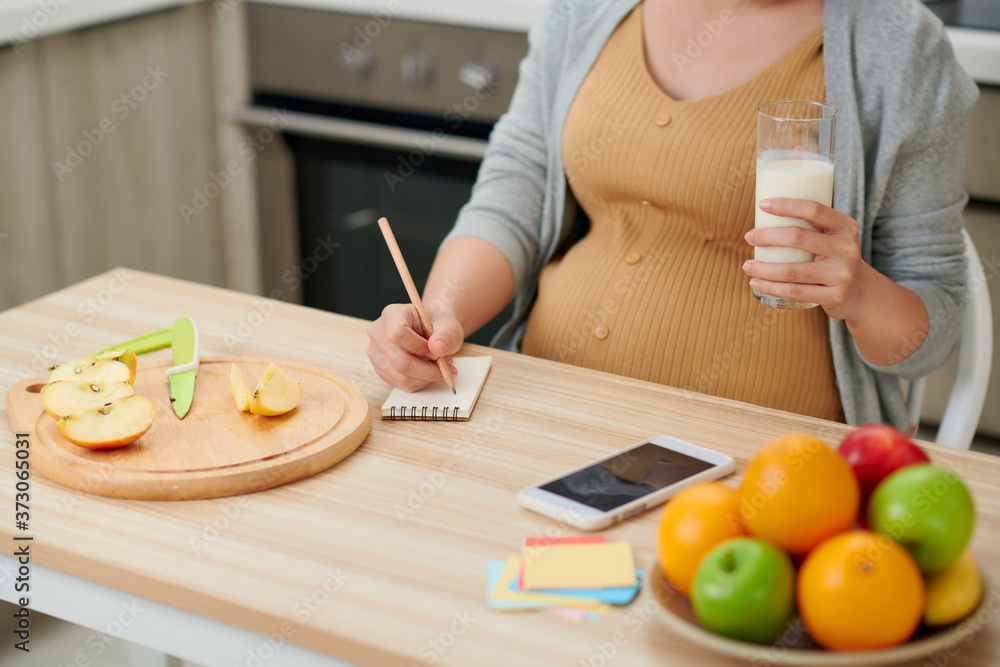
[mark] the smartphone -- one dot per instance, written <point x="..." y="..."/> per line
<point x="622" y="485"/>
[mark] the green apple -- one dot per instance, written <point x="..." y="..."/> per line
<point x="928" y="510"/>
<point x="745" y="589"/>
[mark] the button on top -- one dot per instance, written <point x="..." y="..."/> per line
<point x="663" y="120"/>
<point x="645" y="202"/>
<point x="632" y="258"/>
<point x="601" y="332"/>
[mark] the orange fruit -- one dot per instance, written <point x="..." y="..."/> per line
<point x="860" y="590"/>
<point x="797" y="492"/>
<point x="692" y="524"/>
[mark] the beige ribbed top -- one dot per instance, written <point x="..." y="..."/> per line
<point x="655" y="290"/>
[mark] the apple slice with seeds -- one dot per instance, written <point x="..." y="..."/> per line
<point x="118" y="366"/>
<point x="276" y="393"/>
<point x="115" y="424"/>
<point x="123" y="356"/>
<point x="64" y="397"/>
<point x="241" y="390"/>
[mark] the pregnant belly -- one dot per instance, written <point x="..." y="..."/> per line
<point x="681" y="315"/>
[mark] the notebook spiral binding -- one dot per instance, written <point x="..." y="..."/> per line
<point x="422" y="415"/>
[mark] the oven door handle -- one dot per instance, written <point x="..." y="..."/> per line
<point x="358" y="132"/>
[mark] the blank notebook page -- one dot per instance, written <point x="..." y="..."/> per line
<point x="436" y="402"/>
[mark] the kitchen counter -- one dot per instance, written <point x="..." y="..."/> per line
<point x="381" y="559"/>
<point x="977" y="50"/>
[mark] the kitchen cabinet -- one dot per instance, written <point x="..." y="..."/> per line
<point x="114" y="151"/>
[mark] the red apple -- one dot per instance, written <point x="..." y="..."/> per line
<point x="875" y="451"/>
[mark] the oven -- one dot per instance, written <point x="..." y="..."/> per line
<point x="358" y="117"/>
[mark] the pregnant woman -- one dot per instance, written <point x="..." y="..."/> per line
<point x="615" y="206"/>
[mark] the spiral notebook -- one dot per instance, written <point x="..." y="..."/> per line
<point x="436" y="402"/>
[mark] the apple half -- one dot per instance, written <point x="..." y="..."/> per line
<point x="117" y="366"/>
<point x="276" y="393"/>
<point x="114" y="424"/>
<point x="64" y="397"/>
<point x="241" y="390"/>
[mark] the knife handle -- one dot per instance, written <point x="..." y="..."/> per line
<point x="143" y="344"/>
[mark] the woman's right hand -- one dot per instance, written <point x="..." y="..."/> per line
<point x="400" y="351"/>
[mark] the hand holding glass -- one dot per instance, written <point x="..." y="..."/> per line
<point x="795" y="141"/>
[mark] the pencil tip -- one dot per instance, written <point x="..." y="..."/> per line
<point x="454" y="392"/>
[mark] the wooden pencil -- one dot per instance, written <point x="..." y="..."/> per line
<point x="411" y="289"/>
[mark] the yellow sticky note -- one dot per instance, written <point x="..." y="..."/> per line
<point x="503" y="599"/>
<point x="608" y="565"/>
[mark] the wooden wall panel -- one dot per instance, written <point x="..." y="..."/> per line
<point x="146" y="154"/>
<point x="231" y="61"/>
<point x="28" y="243"/>
<point x="147" y="80"/>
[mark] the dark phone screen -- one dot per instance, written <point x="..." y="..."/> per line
<point x="634" y="473"/>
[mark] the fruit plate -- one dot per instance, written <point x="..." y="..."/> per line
<point x="215" y="450"/>
<point x="795" y="647"/>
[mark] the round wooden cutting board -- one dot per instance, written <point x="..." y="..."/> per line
<point x="215" y="450"/>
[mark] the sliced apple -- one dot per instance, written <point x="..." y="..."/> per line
<point x="115" y="424"/>
<point x="124" y="356"/>
<point x="119" y="366"/>
<point x="241" y="390"/>
<point x="276" y="394"/>
<point x="64" y="397"/>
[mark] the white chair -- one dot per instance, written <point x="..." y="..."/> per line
<point x="975" y="354"/>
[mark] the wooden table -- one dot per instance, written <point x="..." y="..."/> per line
<point x="381" y="559"/>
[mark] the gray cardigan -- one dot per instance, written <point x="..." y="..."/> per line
<point x="900" y="156"/>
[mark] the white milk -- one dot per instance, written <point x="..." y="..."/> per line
<point x="809" y="177"/>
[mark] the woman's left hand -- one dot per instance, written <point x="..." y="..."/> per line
<point x="835" y="279"/>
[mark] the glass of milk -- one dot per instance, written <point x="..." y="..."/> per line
<point x="794" y="159"/>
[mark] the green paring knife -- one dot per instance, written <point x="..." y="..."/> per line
<point x="143" y="344"/>
<point x="184" y="344"/>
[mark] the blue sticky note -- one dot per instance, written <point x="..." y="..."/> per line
<point x="618" y="596"/>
